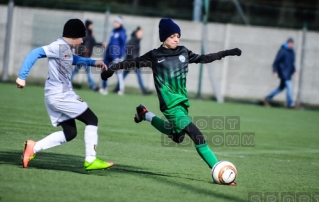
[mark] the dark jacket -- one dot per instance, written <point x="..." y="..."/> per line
<point x="170" y="68"/>
<point x="133" y="47"/>
<point x="86" y="48"/>
<point x="116" y="47"/>
<point x="284" y="62"/>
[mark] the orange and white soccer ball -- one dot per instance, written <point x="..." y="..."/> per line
<point x="224" y="172"/>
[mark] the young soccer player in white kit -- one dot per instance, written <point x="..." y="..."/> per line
<point x="62" y="103"/>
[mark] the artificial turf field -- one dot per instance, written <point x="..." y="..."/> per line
<point x="284" y="158"/>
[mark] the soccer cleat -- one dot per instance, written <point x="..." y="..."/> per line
<point x="97" y="164"/>
<point x="140" y="113"/>
<point x="28" y="153"/>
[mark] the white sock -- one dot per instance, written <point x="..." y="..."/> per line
<point x="52" y="140"/>
<point x="90" y="139"/>
<point x="149" y="116"/>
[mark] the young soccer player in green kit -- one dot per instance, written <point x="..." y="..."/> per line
<point x="169" y="64"/>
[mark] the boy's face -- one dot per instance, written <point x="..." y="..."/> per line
<point x="291" y="45"/>
<point x="76" y="42"/>
<point x="172" y="41"/>
<point x="116" y="25"/>
<point x="139" y="34"/>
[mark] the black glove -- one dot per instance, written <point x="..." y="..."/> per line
<point x="107" y="74"/>
<point x="235" y="51"/>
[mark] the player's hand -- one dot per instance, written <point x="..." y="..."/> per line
<point x="107" y="74"/>
<point x="275" y="74"/>
<point x="104" y="44"/>
<point x="232" y="52"/>
<point x="101" y="64"/>
<point x="20" y="83"/>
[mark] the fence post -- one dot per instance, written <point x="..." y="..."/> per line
<point x="205" y="19"/>
<point x="106" y="24"/>
<point x="303" y="47"/>
<point x="225" y="61"/>
<point x="6" y="52"/>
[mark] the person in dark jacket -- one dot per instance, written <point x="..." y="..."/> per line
<point x="85" y="50"/>
<point x="284" y="68"/>
<point x="133" y="47"/>
<point x="115" y="52"/>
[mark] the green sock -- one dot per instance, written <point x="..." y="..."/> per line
<point x="163" y="126"/>
<point x="207" y="154"/>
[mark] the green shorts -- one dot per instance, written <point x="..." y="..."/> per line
<point x="178" y="117"/>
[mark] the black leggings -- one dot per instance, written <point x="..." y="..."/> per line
<point x="69" y="126"/>
<point x="192" y="131"/>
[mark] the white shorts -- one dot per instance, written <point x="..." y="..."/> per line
<point x="64" y="106"/>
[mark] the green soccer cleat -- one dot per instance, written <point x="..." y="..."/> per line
<point x="97" y="164"/>
<point x="140" y="113"/>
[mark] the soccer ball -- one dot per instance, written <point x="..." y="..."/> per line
<point x="224" y="172"/>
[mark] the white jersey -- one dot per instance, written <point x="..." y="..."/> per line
<point x="60" y="59"/>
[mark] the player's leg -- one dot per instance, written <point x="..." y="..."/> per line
<point x="164" y="126"/>
<point x="201" y="145"/>
<point x="91" y="140"/>
<point x="161" y="125"/>
<point x="54" y="139"/>
<point x="280" y="88"/>
<point x="183" y="124"/>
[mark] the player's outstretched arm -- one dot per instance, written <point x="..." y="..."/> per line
<point x="27" y="64"/>
<point x="82" y="61"/>
<point x="139" y="62"/>
<point x="195" y="58"/>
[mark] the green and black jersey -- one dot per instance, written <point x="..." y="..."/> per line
<point x="170" y="68"/>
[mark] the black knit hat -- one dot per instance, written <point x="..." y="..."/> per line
<point x="74" y="28"/>
<point x="167" y="27"/>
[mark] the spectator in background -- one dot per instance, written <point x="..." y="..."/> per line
<point x="133" y="51"/>
<point x="115" y="52"/>
<point x="85" y="50"/>
<point x="284" y="68"/>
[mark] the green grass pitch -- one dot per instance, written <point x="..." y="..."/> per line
<point x="285" y="157"/>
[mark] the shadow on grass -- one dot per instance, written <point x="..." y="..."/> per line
<point x="73" y="163"/>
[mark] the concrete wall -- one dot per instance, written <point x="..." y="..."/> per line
<point x="3" y="23"/>
<point x="248" y="76"/>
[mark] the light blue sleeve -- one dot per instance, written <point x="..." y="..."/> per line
<point x="29" y="61"/>
<point x="77" y="60"/>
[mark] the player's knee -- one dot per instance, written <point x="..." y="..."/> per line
<point x="70" y="134"/>
<point x="93" y="120"/>
<point x="195" y="134"/>
<point x="177" y="137"/>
